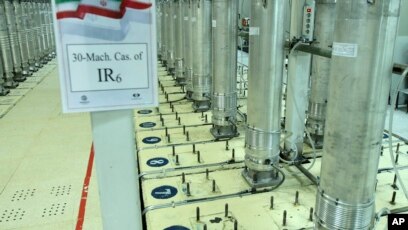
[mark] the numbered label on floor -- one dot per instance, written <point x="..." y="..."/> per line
<point x="144" y="111"/>
<point x="164" y="192"/>
<point x="176" y="227"/>
<point x="151" y="140"/>
<point x="147" y="125"/>
<point x="157" y="162"/>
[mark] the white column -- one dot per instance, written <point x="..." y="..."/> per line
<point x="116" y="168"/>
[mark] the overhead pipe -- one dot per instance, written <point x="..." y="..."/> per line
<point x="224" y="85"/>
<point x="188" y="47"/>
<point x="324" y="28"/>
<point x="297" y="84"/>
<point x="266" y="63"/>
<point x="202" y="52"/>
<point x="360" y="76"/>
<point x="179" y="42"/>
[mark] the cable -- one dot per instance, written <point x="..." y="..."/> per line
<point x="378" y="216"/>
<point x="390" y="124"/>
<point x="246" y="192"/>
<point x="177" y="100"/>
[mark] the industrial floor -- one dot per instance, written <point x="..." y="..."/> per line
<point x="43" y="159"/>
<point x="47" y="180"/>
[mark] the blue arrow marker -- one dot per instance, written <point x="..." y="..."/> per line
<point x="147" y="124"/>
<point x="164" y="192"/>
<point x="151" y="140"/>
<point x="145" y="111"/>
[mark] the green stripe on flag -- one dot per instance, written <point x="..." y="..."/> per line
<point x="65" y="1"/>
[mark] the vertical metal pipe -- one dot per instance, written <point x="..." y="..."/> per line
<point x="40" y="35"/>
<point x="202" y="52"/>
<point x="170" y="36"/>
<point x="159" y="15"/>
<point x="22" y="36"/>
<point x="324" y="27"/>
<point x="188" y="47"/>
<point x="224" y="84"/>
<point x="266" y="63"/>
<point x="164" y="31"/>
<point x="51" y="25"/>
<point x="27" y="21"/>
<point x="3" y="90"/>
<point x="297" y="85"/>
<point x="179" y="40"/>
<point x="34" y="34"/>
<point x="5" y="49"/>
<point x="47" y="27"/>
<point x="360" y="75"/>
<point x="14" y="43"/>
<point x="44" y="32"/>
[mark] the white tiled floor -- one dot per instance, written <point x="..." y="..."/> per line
<point x="43" y="157"/>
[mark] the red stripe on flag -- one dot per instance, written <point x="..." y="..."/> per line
<point x="84" y="9"/>
<point x="84" y="196"/>
<point x="66" y="14"/>
<point x="135" y="5"/>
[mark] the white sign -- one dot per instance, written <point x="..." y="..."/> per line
<point x="107" y="54"/>
<point x="345" y="49"/>
<point x="253" y="30"/>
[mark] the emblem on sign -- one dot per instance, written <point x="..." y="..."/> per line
<point x="103" y="2"/>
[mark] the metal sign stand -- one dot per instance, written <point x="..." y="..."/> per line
<point x="116" y="168"/>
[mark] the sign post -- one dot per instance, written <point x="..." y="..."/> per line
<point x="107" y="66"/>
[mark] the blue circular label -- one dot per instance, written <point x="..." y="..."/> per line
<point x="157" y="162"/>
<point x="151" y="140"/>
<point x="147" y="124"/>
<point x="176" y="227"/>
<point x="164" y="192"/>
<point x="145" y="111"/>
<point x="385" y="135"/>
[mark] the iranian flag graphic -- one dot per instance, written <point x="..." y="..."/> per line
<point x="114" y="9"/>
